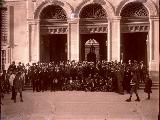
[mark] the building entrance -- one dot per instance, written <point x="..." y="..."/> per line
<point x="134" y="32"/>
<point x="53" y="48"/>
<point x="134" y="46"/>
<point x="95" y="41"/>
<point x="93" y="33"/>
<point x="53" y="34"/>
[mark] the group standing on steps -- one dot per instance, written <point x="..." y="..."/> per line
<point x="80" y="76"/>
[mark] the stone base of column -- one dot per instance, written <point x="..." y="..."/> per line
<point x="154" y="66"/>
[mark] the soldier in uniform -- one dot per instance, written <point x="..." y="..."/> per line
<point x="18" y="85"/>
<point x="134" y="86"/>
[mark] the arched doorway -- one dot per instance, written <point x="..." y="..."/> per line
<point x="93" y="25"/>
<point x="134" y="32"/>
<point x="91" y="49"/>
<point x="53" y="34"/>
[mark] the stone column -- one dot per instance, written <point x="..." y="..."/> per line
<point x="73" y="39"/>
<point x="9" y="51"/>
<point x="10" y="40"/>
<point x="115" y="38"/>
<point x="29" y="38"/>
<point x="154" y="44"/>
<point x="109" y="41"/>
<point x="34" y="43"/>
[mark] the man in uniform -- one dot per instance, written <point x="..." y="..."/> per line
<point x="134" y="86"/>
<point x="18" y="85"/>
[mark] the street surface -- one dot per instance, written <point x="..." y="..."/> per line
<point x="79" y="105"/>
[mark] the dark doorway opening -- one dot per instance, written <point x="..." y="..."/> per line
<point x="134" y="47"/>
<point x="53" y="47"/>
<point x="101" y="38"/>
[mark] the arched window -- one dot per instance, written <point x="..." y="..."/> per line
<point x="53" y="12"/>
<point x="93" y="11"/>
<point x="134" y="9"/>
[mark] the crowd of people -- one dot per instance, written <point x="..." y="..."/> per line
<point x="71" y="75"/>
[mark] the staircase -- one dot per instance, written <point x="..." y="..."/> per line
<point x="155" y="85"/>
<point x="28" y="86"/>
<point x="155" y="81"/>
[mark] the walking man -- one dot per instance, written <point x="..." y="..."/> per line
<point x="11" y="79"/>
<point x="18" y="85"/>
<point x="134" y="86"/>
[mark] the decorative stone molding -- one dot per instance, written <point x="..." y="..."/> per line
<point x="33" y="21"/>
<point x="54" y="30"/>
<point x="134" y="28"/>
<point x="93" y="29"/>
<point x="149" y="4"/>
<point x="154" y="17"/>
<point x="75" y="20"/>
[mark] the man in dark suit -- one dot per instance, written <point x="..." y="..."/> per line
<point x="91" y="56"/>
<point x="12" y="67"/>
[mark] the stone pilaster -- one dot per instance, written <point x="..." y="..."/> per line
<point x="109" y="41"/>
<point x="73" y="39"/>
<point x="115" y="38"/>
<point x="154" y="44"/>
<point x="34" y="51"/>
<point x="10" y="40"/>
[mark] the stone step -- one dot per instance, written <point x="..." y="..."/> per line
<point x="155" y="85"/>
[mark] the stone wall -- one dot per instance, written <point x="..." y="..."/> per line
<point x="24" y="27"/>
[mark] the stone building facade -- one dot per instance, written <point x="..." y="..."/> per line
<point x="48" y="30"/>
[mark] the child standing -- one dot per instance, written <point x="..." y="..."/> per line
<point x="148" y="85"/>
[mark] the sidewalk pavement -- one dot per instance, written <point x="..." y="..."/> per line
<point x="79" y="105"/>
